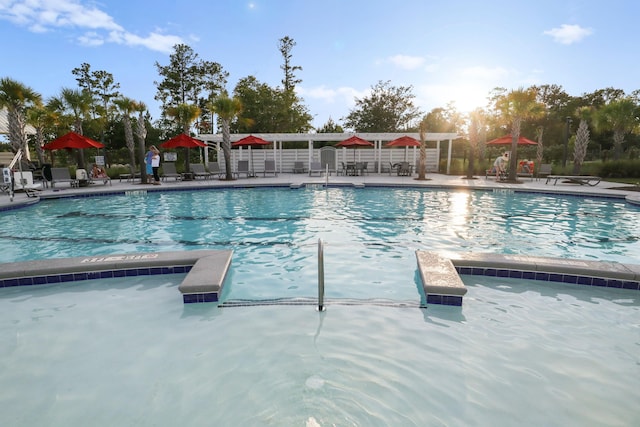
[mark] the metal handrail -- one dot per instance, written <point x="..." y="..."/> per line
<point x="320" y="275"/>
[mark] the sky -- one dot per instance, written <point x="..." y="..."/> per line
<point x="451" y="51"/>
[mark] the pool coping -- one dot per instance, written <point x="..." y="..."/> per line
<point x="206" y="270"/>
<point x="442" y="286"/>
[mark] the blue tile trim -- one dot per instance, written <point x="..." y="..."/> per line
<point x="550" y="277"/>
<point x="108" y="274"/>
<point x="443" y="299"/>
<point x="198" y="298"/>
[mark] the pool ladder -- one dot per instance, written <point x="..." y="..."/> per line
<point x="320" y="275"/>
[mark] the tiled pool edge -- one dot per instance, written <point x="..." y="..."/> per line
<point x="570" y="271"/>
<point x="209" y="284"/>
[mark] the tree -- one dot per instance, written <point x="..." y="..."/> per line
<point x="386" y="109"/>
<point x="17" y="99"/>
<point x="227" y="109"/>
<point x="184" y="115"/>
<point x="289" y="81"/>
<point x="582" y="138"/>
<point x="330" y="127"/>
<point x="477" y="132"/>
<point x="515" y="107"/>
<point x="43" y="119"/>
<point x="76" y="104"/>
<point x="619" y="116"/>
<point x="268" y="110"/>
<point x="126" y="107"/>
<point x="186" y="78"/>
<point x="141" y="134"/>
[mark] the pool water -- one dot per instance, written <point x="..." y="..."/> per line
<point x="371" y="234"/>
<point x="128" y="352"/>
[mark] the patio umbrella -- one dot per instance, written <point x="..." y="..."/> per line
<point x="250" y="141"/>
<point x="354" y="142"/>
<point x="507" y="139"/>
<point x="403" y="141"/>
<point x="185" y="141"/>
<point x="72" y="140"/>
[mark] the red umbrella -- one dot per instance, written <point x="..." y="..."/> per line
<point x="250" y="141"/>
<point x="354" y="142"/>
<point x="508" y="139"/>
<point x="403" y="141"/>
<point x="183" y="140"/>
<point x="72" y="140"/>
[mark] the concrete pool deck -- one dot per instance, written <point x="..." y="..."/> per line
<point x="206" y="282"/>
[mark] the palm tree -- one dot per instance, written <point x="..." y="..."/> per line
<point x="184" y="115"/>
<point x="620" y="117"/>
<point x="540" y="147"/>
<point x="79" y="103"/>
<point x="515" y="107"/>
<point x="227" y="109"/>
<point x="126" y="107"/>
<point x="141" y="133"/>
<point x="582" y="138"/>
<point x="43" y="119"/>
<point x="17" y="99"/>
<point x="477" y="127"/>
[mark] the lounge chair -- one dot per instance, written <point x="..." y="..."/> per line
<point x="575" y="179"/>
<point x="270" y="167"/>
<point x="169" y="171"/>
<point x="199" y="171"/>
<point x="315" y="167"/>
<point x="243" y="168"/>
<point x="23" y="181"/>
<point x="214" y="169"/>
<point x="130" y="176"/>
<point x="62" y="175"/>
<point x="298" y="167"/>
<point x="105" y="179"/>
<point x="544" y="171"/>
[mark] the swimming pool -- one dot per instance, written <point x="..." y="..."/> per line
<point x="120" y="352"/>
<point x="128" y="352"/>
<point x="371" y="234"/>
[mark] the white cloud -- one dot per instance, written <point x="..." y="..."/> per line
<point x="568" y="34"/>
<point x="342" y="95"/>
<point x="407" y="62"/>
<point x="46" y="15"/>
<point x="91" y="39"/>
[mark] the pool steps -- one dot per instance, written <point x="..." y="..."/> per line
<point x="207" y="269"/>
<point x="440" y="280"/>
<point x="442" y="287"/>
<point x="206" y="278"/>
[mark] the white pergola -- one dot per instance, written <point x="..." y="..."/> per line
<point x="378" y="139"/>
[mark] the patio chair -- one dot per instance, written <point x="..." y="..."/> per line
<point x="315" y="167"/>
<point x="243" y="168"/>
<point x="62" y="175"/>
<point x="270" y="167"/>
<point x="169" y="171"/>
<point x="544" y="171"/>
<point x="214" y="169"/>
<point x="132" y="175"/>
<point x="298" y="167"/>
<point x="199" y="171"/>
<point x="105" y="179"/>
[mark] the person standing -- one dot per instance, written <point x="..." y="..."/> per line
<point x="155" y="165"/>
<point x="147" y="162"/>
